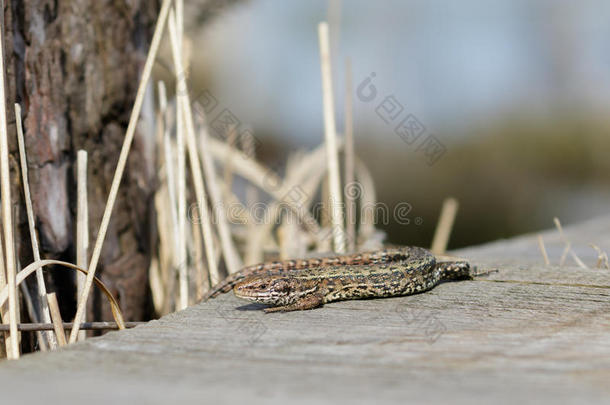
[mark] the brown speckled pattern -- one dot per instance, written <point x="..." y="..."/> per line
<point x="304" y="284"/>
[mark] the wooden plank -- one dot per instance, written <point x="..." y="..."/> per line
<point x="500" y="339"/>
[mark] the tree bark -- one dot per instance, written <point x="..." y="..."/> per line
<point x="74" y="67"/>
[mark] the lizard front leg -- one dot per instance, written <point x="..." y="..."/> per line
<point x="308" y="302"/>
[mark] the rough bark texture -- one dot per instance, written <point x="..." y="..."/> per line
<point x="74" y="67"/>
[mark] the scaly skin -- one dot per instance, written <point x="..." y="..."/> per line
<point x="272" y="268"/>
<point x="386" y="273"/>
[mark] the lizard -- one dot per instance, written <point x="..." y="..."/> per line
<point x="293" y="285"/>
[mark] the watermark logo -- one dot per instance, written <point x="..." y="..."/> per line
<point x="425" y="323"/>
<point x="205" y="104"/>
<point x="406" y="126"/>
<point x="295" y="207"/>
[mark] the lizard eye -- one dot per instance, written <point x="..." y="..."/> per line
<point x="263" y="286"/>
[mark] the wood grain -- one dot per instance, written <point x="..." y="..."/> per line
<point x="500" y="339"/>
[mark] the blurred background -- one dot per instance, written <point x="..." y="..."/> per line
<point x="515" y="93"/>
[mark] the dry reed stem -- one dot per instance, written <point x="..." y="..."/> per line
<point x="168" y="156"/>
<point x="303" y="182"/>
<point x="156" y="285"/>
<point x="159" y="263"/>
<point x="3" y="308"/>
<point x="232" y="259"/>
<point x="167" y="206"/>
<point x="336" y="197"/>
<point x="203" y="277"/>
<point x="7" y="220"/>
<point x="37" y="327"/>
<point x="543" y="251"/>
<point x="333" y="16"/>
<point x="42" y="342"/>
<point x="58" y="324"/>
<point x="118" y="174"/>
<point x="251" y="197"/>
<point x="444" y="226"/>
<point x="179" y="7"/>
<point x="568" y="247"/>
<point x="325" y="212"/>
<point x="228" y="165"/>
<point x="306" y="186"/>
<point x="576" y="259"/>
<point x="180" y="255"/>
<point x="43" y="310"/>
<point x="269" y="182"/>
<point x="564" y="254"/>
<point x="368" y="202"/>
<point x="602" y="258"/>
<point x="205" y="220"/>
<point x="32" y="267"/>
<point x="82" y="225"/>
<point x="350" y="203"/>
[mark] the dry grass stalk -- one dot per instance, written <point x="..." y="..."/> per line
<point x="200" y="193"/>
<point x="203" y="277"/>
<point x="543" y="251"/>
<point x="568" y="247"/>
<point x="7" y="220"/>
<point x="232" y="259"/>
<point x="368" y="202"/>
<point x="325" y="214"/>
<point x="336" y="196"/>
<point x="602" y="258"/>
<point x="181" y="264"/>
<point x="444" y="226"/>
<point x="82" y="225"/>
<point x="303" y="181"/>
<point x="58" y="324"/>
<point x="167" y="214"/>
<point x="27" y="298"/>
<point x="228" y="166"/>
<point x="37" y="327"/>
<point x="43" y="310"/>
<point x="118" y="174"/>
<point x="179" y="7"/>
<point x="32" y="267"/>
<point x="350" y="203"/>
<point x="3" y="308"/>
<point x="308" y="170"/>
<point x="251" y="195"/>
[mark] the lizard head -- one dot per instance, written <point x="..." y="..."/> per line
<point x="270" y="290"/>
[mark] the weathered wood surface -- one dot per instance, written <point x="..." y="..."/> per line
<point x="464" y="342"/>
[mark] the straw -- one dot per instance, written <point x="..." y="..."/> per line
<point x="231" y="256"/>
<point x="118" y="174"/>
<point x="7" y="220"/>
<point x="42" y="290"/>
<point x="444" y="226"/>
<point x="330" y="135"/>
<point x="543" y="251"/>
<point x="568" y="247"/>
<point x="58" y="324"/>
<point x="206" y="226"/>
<point x="82" y="225"/>
<point x="350" y="203"/>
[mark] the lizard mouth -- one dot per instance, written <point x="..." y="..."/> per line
<point x="242" y="291"/>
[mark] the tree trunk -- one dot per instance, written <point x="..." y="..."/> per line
<point x="74" y="67"/>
